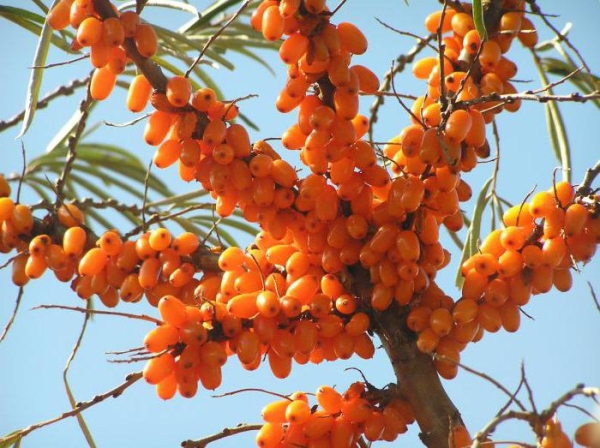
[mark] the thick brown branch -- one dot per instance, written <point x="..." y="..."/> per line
<point x="415" y="372"/>
<point x="147" y="67"/>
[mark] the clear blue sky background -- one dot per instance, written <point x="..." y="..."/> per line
<point x="558" y="348"/>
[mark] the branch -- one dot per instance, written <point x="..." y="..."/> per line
<point x="585" y="188"/>
<point x="80" y="407"/>
<point x="215" y="36"/>
<point x="225" y="432"/>
<point x="13" y="315"/>
<point x="66" y="90"/>
<point x="150" y="69"/>
<point x="106" y="313"/>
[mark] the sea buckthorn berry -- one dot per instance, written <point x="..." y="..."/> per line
<point x="588" y="434"/>
<point x="145" y="40"/>
<point x="138" y="94"/>
<point x="528" y="34"/>
<point x="458" y="125"/>
<point x="100" y="54"/>
<point x="432" y="21"/>
<point x="7" y="207"/>
<point x="172" y="310"/>
<point x="272" y="23"/>
<point x="270" y="435"/>
<point x="158" y="368"/>
<point x="113" y="33"/>
<point x="203" y="99"/>
<point x="70" y="215"/>
<point x="185" y="244"/>
<point x="179" y="89"/>
<point x="92" y="262"/>
<point x="293" y="48"/>
<point x="58" y="17"/>
<point x="74" y="241"/>
<point x="490" y="55"/>
<point x="351" y="38"/>
<point x="129" y="21"/>
<point x="157" y="127"/>
<point x="102" y="83"/>
<point x="159" y="239"/>
<point x="4" y="188"/>
<point x="297" y="412"/>
<point x="89" y="32"/>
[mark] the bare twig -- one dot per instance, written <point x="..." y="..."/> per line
<point x="127" y="123"/>
<point x="585" y="187"/>
<point x="215" y="36"/>
<point x="13" y="315"/>
<point x="106" y="313"/>
<point x="63" y="63"/>
<point x="66" y="90"/>
<point x="560" y="36"/>
<point x="130" y="379"/>
<point x="593" y="294"/>
<point x="225" y="432"/>
<point x="400" y="64"/>
<point x="338" y="7"/>
<point x="486" y="377"/>
<point x="251" y="389"/>
<point x="80" y="420"/>
<point x="72" y="149"/>
<point x="20" y="184"/>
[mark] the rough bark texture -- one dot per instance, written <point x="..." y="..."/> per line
<point x="418" y="380"/>
<point x="416" y="376"/>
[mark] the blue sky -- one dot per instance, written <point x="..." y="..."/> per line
<point x="558" y="347"/>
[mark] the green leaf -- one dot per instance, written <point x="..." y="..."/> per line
<point x="556" y="127"/>
<point x="172" y="4"/>
<point x="478" y="18"/>
<point x="210" y="13"/>
<point x="69" y="127"/>
<point x="474" y="230"/>
<point x="35" y="81"/>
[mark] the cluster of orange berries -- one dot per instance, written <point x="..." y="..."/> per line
<point x="269" y="301"/>
<point x="105" y="38"/>
<point x="337" y="421"/>
<point x="473" y="67"/>
<point x="317" y="51"/>
<point x="155" y="264"/>
<point x="535" y="251"/>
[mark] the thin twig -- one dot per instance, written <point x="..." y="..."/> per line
<point x="156" y="218"/>
<point x="338" y="7"/>
<point x="63" y="63"/>
<point x="251" y="389"/>
<point x="20" y="184"/>
<point x="13" y="315"/>
<point x="72" y="149"/>
<point x="127" y="123"/>
<point x="400" y="64"/>
<point x="486" y="377"/>
<point x="115" y="392"/>
<point x="528" y="388"/>
<point x="80" y="420"/>
<point x="215" y="36"/>
<point x="560" y="36"/>
<point x="65" y="90"/>
<point x="145" y="196"/>
<point x="225" y="432"/>
<point x="593" y="294"/>
<point x="106" y="313"/>
<point x="585" y="187"/>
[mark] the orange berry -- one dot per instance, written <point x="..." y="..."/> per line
<point x="145" y="40"/>
<point x="70" y="215"/>
<point x="179" y="89"/>
<point x="102" y="83"/>
<point x="89" y="31"/>
<point x="113" y="33"/>
<point x="138" y="93"/>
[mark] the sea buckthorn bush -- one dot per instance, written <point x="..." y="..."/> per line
<point x="349" y="234"/>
